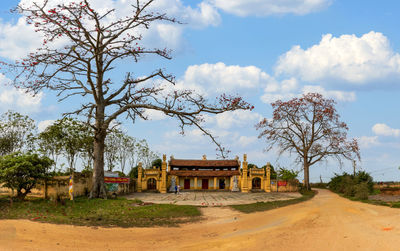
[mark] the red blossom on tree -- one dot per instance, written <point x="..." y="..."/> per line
<point x="310" y="128"/>
<point x="95" y="42"/>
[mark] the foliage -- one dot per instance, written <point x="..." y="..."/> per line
<point x="16" y="132"/>
<point x="157" y="163"/>
<point x="21" y="172"/>
<point x="273" y="174"/>
<point x="361" y="191"/>
<point x="50" y="142"/>
<point x="74" y="136"/>
<point x="287" y="174"/>
<point x="251" y="165"/>
<point x="133" y="173"/>
<point x="96" y="212"/>
<point x="351" y="185"/>
<point x="310" y="128"/>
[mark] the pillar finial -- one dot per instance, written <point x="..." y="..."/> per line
<point x="204" y="157"/>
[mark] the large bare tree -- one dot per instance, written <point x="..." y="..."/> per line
<point x="94" y="42"/>
<point x="310" y="128"/>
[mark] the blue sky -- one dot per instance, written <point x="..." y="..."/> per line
<point x="264" y="50"/>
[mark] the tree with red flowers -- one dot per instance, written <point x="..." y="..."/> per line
<point x="93" y="43"/>
<point x="309" y="127"/>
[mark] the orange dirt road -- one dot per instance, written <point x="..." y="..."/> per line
<point x="327" y="222"/>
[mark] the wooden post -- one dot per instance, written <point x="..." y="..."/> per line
<point x="215" y="183"/>
<point x="195" y="183"/>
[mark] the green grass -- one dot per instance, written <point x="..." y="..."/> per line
<point x="395" y="204"/>
<point x="264" y="206"/>
<point x="98" y="212"/>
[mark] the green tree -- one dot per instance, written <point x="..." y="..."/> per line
<point x="17" y="132"/>
<point x="21" y="172"/>
<point x="287" y="174"/>
<point x="50" y="142"/>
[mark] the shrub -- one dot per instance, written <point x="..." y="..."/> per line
<point x="22" y="172"/>
<point x="352" y="185"/>
<point x="361" y="191"/>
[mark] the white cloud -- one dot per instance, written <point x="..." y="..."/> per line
<point x="245" y="140"/>
<point x="355" y="60"/>
<point x="18" y="99"/>
<point x="367" y="141"/>
<point x="154" y="114"/>
<point x="290" y="88"/>
<point x="385" y="130"/>
<point x="270" y="7"/>
<point x="15" y="46"/>
<point x="337" y="95"/>
<point x="44" y="124"/>
<point x="237" y="118"/>
<point x="221" y="78"/>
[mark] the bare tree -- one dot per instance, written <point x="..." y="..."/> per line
<point x="95" y="41"/>
<point x="309" y="127"/>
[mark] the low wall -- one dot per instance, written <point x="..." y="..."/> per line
<point x="290" y="186"/>
<point x="58" y="187"/>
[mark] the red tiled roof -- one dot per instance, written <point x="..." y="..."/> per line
<point x="204" y="173"/>
<point x="203" y="163"/>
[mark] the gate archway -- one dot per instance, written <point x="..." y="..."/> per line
<point x="256" y="183"/>
<point x="151" y="184"/>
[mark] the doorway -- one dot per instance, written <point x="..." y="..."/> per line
<point x="186" y="184"/>
<point x="204" y="184"/>
<point x="221" y="183"/>
<point x="256" y="183"/>
<point x="151" y="184"/>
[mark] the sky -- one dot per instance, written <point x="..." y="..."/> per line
<point x="263" y="50"/>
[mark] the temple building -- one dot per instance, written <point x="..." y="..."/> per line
<point x="229" y="175"/>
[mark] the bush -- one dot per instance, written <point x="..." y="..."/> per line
<point x="361" y="191"/>
<point x="21" y="172"/>
<point x="359" y="185"/>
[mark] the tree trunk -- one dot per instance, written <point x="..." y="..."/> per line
<point x="307" y="176"/>
<point x="98" y="187"/>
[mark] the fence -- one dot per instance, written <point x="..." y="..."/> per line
<point x="58" y="187"/>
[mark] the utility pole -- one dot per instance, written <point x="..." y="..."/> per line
<point x="354" y="168"/>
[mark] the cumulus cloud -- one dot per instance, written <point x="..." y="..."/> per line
<point x="245" y="140"/>
<point x="290" y="88"/>
<point x="154" y="114"/>
<point x="270" y="7"/>
<point x="18" y="99"/>
<point x="348" y="58"/>
<point x="384" y="130"/>
<point x="221" y="78"/>
<point x="238" y="118"/>
<point x="368" y="141"/>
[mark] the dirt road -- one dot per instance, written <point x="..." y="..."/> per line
<point x="327" y="222"/>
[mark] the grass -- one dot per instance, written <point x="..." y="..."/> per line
<point x="395" y="204"/>
<point x="264" y="206"/>
<point x="98" y="212"/>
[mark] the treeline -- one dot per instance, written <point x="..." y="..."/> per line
<point x="69" y="141"/>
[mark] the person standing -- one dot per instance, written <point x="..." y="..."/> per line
<point x="179" y="189"/>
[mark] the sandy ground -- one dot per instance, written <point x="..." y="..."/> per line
<point x="326" y="222"/>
